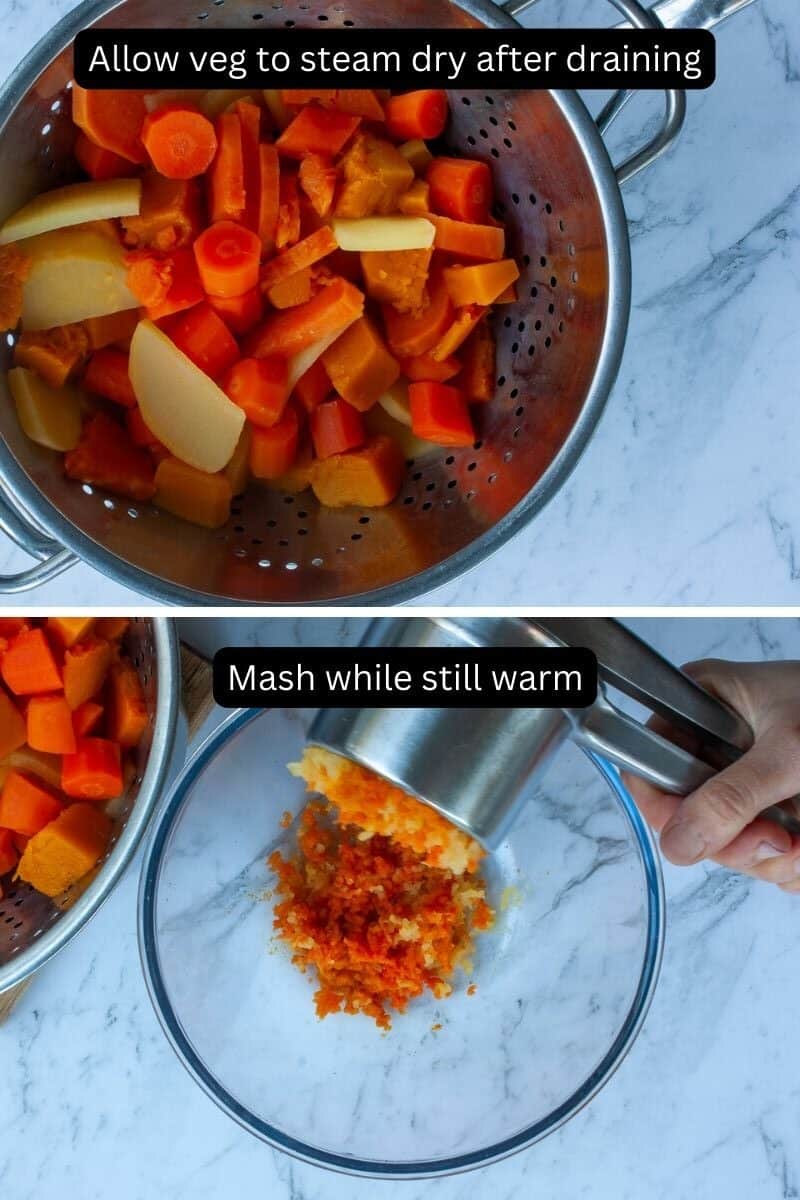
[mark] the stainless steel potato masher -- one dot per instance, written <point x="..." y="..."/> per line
<point x="559" y="346"/>
<point x="475" y="766"/>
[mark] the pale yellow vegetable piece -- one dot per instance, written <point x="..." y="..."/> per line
<point x="417" y="154"/>
<point x="49" y="416"/>
<point x="46" y="767"/>
<point x="182" y="405"/>
<point x="383" y="233"/>
<point x="95" y="200"/>
<point x="395" y="402"/>
<point x="299" y="363"/>
<point x="155" y="100"/>
<point x="217" y="100"/>
<point x="75" y="274"/>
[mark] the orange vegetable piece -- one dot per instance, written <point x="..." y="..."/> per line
<point x="8" y="851"/>
<point x="466" y="320"/>
<point x="426" y="368"/>
<point x="317" y="177"/>
<point x="298" y="477"/>
<point x="87" y="716"/>
<point x="111" y="119"/>
<point x="15" y="267"/>
<point x="9" y="626"/>
<point x="112" y="628"/>
<point x="170" y="214"/>
<point x="49" y="723"/>
<point x="359" y="102"/>
<point x="66" y="631"/>
<point x="240" y="313"/>
<point x="114" y="328"/>
<point x="165" y="284"/>
<point x="466" y="240"/>
<point x="193" y="495"/>
<point x="249" y="115"/>
<point x="509" y="296"/>
<point x="55" y="354"/>
<point x="228" y="257"/>
<point x="369" y="477"/>
<point x="204" y="337"/>
<point x="290" y="331"/>
<point x="94" y="771"/>
<point x="304" y="254"/>
<point x="12" y="727"/>
<point x="360" y="366"/>
<point x="461" y="188"/>
<point x="416" y="202"/>
<point x="397" y="277"/>
<point x="288" y="227"/>
<point x="269" y="195"/>
<point x="439" y="414"/>
<point x="25" y="805"/>
<point x="298" y="97"/>
<point x="66" y="849"/>
<point x="260" y="387"/>
<point x="127" y="711"/>
<point x="107" y="375"/>
<point x="316" y="130"/>
<point x="97" y="162"/>
<point x="477" y="378"/>
<point x="273" y="450"/>
<point x="138" y="430"/>
<point x="226" y="192"/>
<point x="410" y="334"/>
<point x="375" y="177"/>
<point x="180" y="141"/>
<point x="480" y="284"/>
<point x="29" y="665"/>
<point x="313" y="387"/>
<point x="421" y="114"/>
<point x="106" y="456"/>
<point x="294" y="290"/>
<point x="85" y="667"/>
<point x="335" y="428"/>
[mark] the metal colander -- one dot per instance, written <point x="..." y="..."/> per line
<point x="33" y="927"/>
<point x="559" y="346"/>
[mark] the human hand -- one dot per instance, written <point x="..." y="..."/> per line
<point x="721" y="819"/>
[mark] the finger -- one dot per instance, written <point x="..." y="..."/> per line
<point x="762" y="844"/>
<point x="656" y="807"/>
<point x="711" y="817"/>
<point x="790" y="887"/>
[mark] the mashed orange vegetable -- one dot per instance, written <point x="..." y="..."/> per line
<point x="377" y="922"/>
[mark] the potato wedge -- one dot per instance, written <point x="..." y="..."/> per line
<point x="383" y="233"/>
<point x="75" y="274"/>
<point x="182" y="405"/>
<point x="96" y="200"/>
<point x="49" y="416"/>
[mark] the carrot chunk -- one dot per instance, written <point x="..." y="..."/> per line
<point x="369" y="477"/>
<point x="12" y="727"/>
<point x="107" y="375"/>
<point x="29" y="665"/>
<point x="313" y="387"/>
<point x="180" y="141"/>
<point x="204" y="337"/>
<point x="87" y="716"/>
<point x="463" y="325"/>
<point x="111" y="119"/>
<point x="170" y="215"/>
<point x="85" y="667"/>
<point x="260" y="387"/>
<point x="481" y="284"/>
<point x="249" y="115"/>
<point x="294" y="329"/>
<point x="269" y="195"/>
<point x="335" y="428"/>
<point x="8" y="851"/>
<point x="466" y="240"/>
<point x="67" y="849"/>
<point x="112" y="628"/>
<point x="138" y="430"/>
<point x="94" y="771"/>
<point x="240" y="313"/>
<point x="413" y="333"/>
<point x="26" y="806"/>
<point x="316" y="130"/>
<point x="49" y="725"/>
<point x="97" y="162"/>
<point x="360" y="366"/>
<point x="105" y="456"/>
<point x="461" y="188"/>
<point x="421" y="114"/>
<point x="273" y="450"/>
<point x="127" y="710"/>
<point x="426" y="368"/>
<point x="477" y="378"/>
<point x="228" y="257"/>
<point x="226" y="192"/>
<point x="164" y="284"/>
<point x="439" y="414"/>
<point x="304" y="254"/>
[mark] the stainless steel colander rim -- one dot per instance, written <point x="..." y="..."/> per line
<point x="15" y="481"/>
<point x="151" y="788"/>
<point x="155" y="848"/>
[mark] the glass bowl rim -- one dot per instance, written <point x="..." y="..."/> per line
<point x="163" y="824"/>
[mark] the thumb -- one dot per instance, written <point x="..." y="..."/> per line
<point x="707" y="820"/>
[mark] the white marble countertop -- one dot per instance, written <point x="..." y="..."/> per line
<point x="693" y="469"/>
<point x="95" y="1104"/>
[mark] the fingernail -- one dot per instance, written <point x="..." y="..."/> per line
<point x="683" y="843"/>
<point x="765" y="850"/>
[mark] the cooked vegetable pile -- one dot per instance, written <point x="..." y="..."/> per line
<point x="290" y="288"/>
<point x="71" y="712"/>
<point x="383" y="896"/>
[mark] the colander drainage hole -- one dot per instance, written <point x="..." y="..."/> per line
<point x="514" y="393"/>
<point x="363" y="520"/>
<point x="451" y="458"/>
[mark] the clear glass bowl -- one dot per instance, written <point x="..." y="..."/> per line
<point x="563" y="981"/>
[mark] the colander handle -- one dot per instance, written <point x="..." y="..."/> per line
<point x="53" y="557"/>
